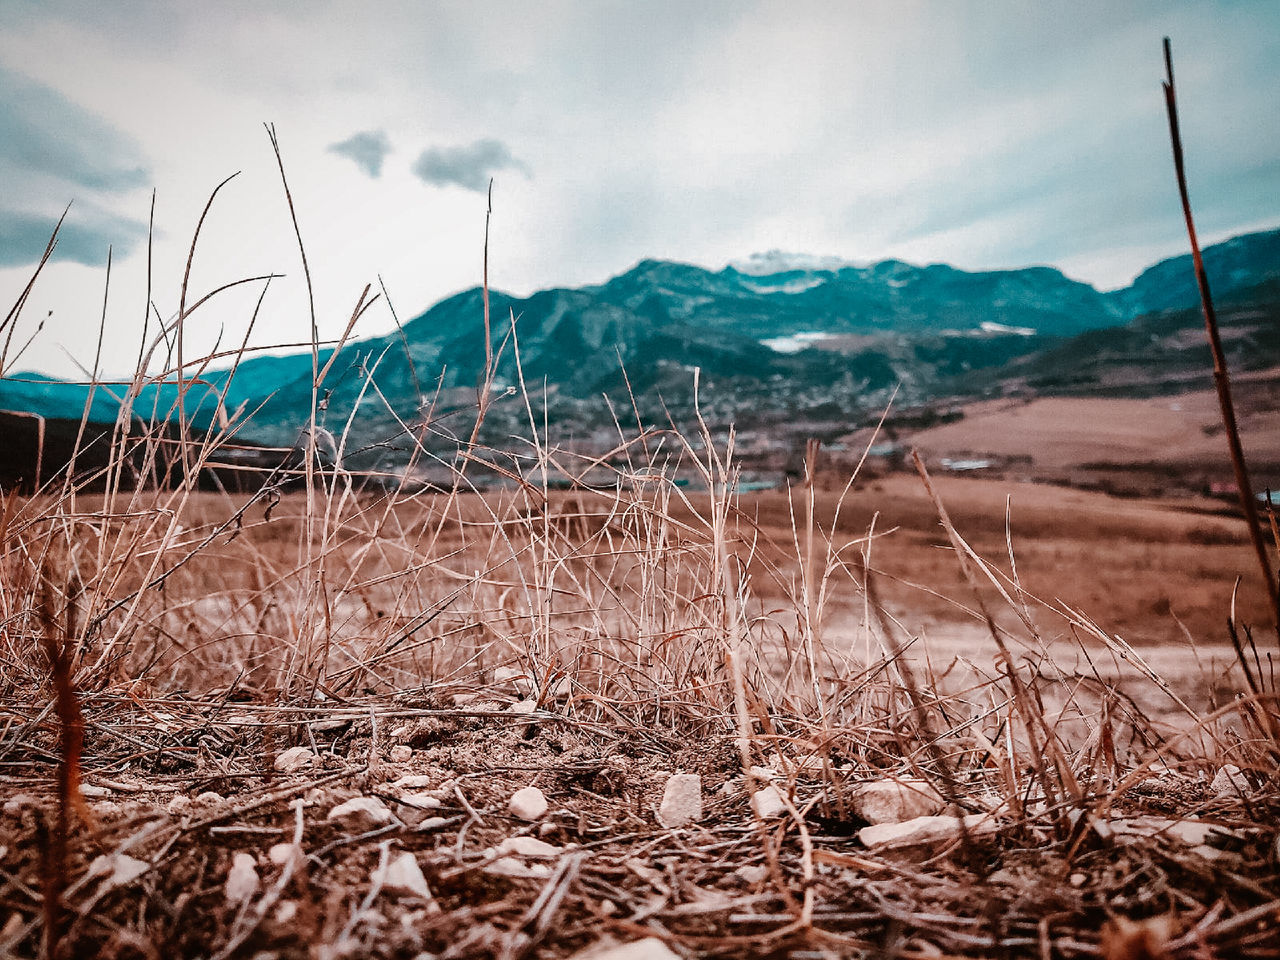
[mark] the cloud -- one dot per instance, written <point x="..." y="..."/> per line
<point x="82" y="239"/>
<point x="368" y="149"/>
<point x="468" y="167"/>
<point x="53" y="151"/>
<point x="43" y="134"/>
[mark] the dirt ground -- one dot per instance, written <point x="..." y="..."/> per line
<point x="1089" y="832"/>
<point x="184" y="797"/>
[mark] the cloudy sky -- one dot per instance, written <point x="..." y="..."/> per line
<point x="983" y="134"/>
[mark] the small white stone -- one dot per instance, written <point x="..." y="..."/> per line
<point x="523" y="707"/>
<point x="209" y="796"/>
<point x="93" y="790"/>
<point x="529" y="847"/>
<point x="681" y="800"/>
<point x="752" y="873"/>
<point x="892" y="801"/>
<point x="413" y="808"/>
<point x="920" y="831"/>
<point x="1230" y="782"/>
<point x="282" y="853"/>
<point x="515" y="676"/>
<point x="431" y="823"/>
<point x="19" y="802"/>
<point x="118" y="868"/>
<point x="294" y="759"/>
<point x="242" y="879"/>
<point x="768" y="803"/>
<point x="527" y="804"/>
<point x="413" y="782"/>
<point x="400" y="753"/>
<point x="287" y="912"/>
<point x="404" y="878"/>
<point x="178" y="804"/>
<point x="513" y="867"/>
<point x="361" y="813"/>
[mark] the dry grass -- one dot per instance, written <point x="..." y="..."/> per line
<point x="654" y="627"/>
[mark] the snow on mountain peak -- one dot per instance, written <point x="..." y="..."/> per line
<point x="780" y="261"/>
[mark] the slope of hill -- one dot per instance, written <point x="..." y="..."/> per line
<point x="782" y="344"/>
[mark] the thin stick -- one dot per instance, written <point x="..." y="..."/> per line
<point x="1221" y="379"/>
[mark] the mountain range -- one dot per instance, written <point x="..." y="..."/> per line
<point x="782" y="343"/>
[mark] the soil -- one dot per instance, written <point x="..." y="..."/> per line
<point x="185" y="786"/>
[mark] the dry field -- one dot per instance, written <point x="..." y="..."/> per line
<point x="303" y="723"/>
<point x="1160" y="443"/>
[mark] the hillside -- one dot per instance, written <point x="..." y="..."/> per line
<point x="785" y="347"/>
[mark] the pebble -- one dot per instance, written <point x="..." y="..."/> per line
<point x="515" y="676"/>
<point x="400" y="753"/>
<point x="361" y="813"/>
<point x="294" y="759"/>
<point x="404" y="878"/>
<point x="518" y="869"/>
<point x="768" y="803"/>
<point x="93" y="790"/>
<point x="892" y="801"/>
<point x="752" y="873"/>
<point x="209" y="797"/>
<point x="920" y="831"/>
<point x="19" y="802"/>
<point x="529" y="847"/>
<point x="681" y="800"/>
<point x="523" y="707"/>
<point x="413" y="808"/>
<point x="118" y="868"/>
<point x="242" y="879"/>
<point x="413" y="782"/>
<point x="287" y="912"/>
<point x="1230" y="782"/>
<point x="527" y="804"/>
<point x="282" y="853"/>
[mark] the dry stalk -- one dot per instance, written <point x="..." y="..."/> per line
<point x="1221" y="378"/>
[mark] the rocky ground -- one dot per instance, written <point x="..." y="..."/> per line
<point x="496" y="828"/>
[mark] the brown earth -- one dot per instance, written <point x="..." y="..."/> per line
<point x="1169" y="443"/>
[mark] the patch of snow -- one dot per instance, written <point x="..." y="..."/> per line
<point x="962" y="466"/>
<point x="990" y="326"/>
<point x="780" y="261"/>
<point x="797" y="285"/>
<point x="795" y="342"/>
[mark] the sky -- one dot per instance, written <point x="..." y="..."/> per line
<point x="987" y="135"/>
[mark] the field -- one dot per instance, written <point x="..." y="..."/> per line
<point x="304" y="720"/>
<point x="1170" y="444"/>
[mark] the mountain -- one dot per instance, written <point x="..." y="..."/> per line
<point x="783" y="342"/>
<point x="1233" y="266"/>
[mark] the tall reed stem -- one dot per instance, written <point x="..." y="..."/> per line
<point x="1221" y="379"/>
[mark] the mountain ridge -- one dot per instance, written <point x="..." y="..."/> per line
<point x="858" y="330"/>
